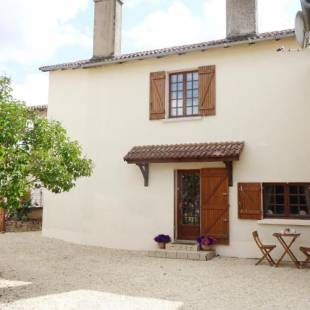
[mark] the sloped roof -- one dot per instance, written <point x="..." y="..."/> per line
<point x="42" y="107"/>
<point x="185" y="152"/>
<point x="157" y="53"/>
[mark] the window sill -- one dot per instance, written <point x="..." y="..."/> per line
<point x="288" y="222"/>
<point x="182" y="119"/>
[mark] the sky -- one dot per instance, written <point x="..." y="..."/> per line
<point x="44" y="32"/>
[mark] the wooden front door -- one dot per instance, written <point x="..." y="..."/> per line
<point x="188" y="204"/>
<point x="215" y="204"/>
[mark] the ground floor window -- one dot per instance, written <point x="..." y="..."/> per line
<point x="286" y="200"/>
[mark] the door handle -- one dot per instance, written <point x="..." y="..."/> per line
<point x="225" y="194"/>
<point x="225" y="220"/>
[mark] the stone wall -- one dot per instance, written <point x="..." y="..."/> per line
<point x="23" y="226"/>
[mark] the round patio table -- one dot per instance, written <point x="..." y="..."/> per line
<point x="287" y="247"/>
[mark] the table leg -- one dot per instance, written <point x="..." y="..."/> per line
<point x="287" y="251"/>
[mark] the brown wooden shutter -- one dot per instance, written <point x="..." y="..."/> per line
<point x="207" y="91"/>
<point x="215" y="204"/>
<point x="249" y="201"/>
<point x="157" y="95"/>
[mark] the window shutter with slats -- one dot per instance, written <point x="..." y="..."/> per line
<point x="249" y="201"/>
<point x="207" y="91"/>
<point x="157" y="95"/>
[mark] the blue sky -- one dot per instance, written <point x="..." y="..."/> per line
<point x="39" y="32"/>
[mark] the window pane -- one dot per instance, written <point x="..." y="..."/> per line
<point x="173" y="103"/>
<point x="274" y="201"/>
<point x="180" y="77"/>
<point x="180" y="111"/>
<point x="173" y="87"/>
<point x="180" y="86"/>
<point x="293" y="199"/>
<point x="280" y="209"/>
<point x="189" y="102"/>
<point x="195" y="84"/>
<point x="174" y="112"/>
<point x="189" y="111"/>
<point x="173" y="78"/>
<point x="180" y="95"/>
<point x="195" y="93"/>
<point x="279" y="189"/>
<point x="195" y="110"/>
<point x="180" y="103"/>
<point x="303" y="211"/>
<point x="195" y="76"/>
<point x="299" y="200"/>
<point x="173" y="95"/>
<point x="189" y="94"/>
<point x="294" y="210"/>
<point x="189" y="85"/>
<point x="293" y="189"/>
<point x="189" y="76"/>
<point x="190" y="198"/>
<point x="195" y="102"/>
<point x="279" y="200"/>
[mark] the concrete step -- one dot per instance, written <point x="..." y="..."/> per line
<point x="189" y="255"/>
<point x="175" y="246"/>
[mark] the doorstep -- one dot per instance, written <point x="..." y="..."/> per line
<point x="188" y="255"/>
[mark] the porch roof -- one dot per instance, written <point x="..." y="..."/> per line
<point x="198" y="152"/>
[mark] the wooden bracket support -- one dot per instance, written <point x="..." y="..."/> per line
<point x="145" y="172"/>
<point x="229" y="167"/>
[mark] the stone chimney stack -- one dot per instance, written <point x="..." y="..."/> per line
<point x="241" y="18"/>
<point x="108" y="28"/>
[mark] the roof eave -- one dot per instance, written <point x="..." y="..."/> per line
<point x="181" y="160"/>
<point x="106" y="62"/>
<point x="172" y="53"/>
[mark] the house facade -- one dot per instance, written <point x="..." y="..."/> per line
<point x="203" y="139"/>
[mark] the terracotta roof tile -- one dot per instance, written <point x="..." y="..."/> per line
<point x="185" y="152"/>
<point x="227" y="42"/>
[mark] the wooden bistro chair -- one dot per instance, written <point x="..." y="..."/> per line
<point x="265" y="249"/>
<point x="306" y="251"/>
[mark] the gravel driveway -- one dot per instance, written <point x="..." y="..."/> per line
<point x="42" y="273"/>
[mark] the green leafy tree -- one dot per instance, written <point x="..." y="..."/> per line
<point x="34" y="153"/>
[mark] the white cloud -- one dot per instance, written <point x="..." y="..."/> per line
<point x="135" y="3"/>
<point x="35" y="29"/>
<point x="277" y="14"/>
<point x="33" y="90"/>
<point x="179" y="24"/>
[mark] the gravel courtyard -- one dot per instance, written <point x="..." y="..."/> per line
<point x="42" y="273"/>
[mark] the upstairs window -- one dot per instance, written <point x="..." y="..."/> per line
<point x="188" y="93"/>
<point x="286" y="200"/>
<point x="184" y="94"/>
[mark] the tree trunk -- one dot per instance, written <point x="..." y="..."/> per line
<point x="2" y="220"/>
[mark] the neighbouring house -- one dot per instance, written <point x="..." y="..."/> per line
<point x="40" y="109"/>
<point x="201" y="139"/>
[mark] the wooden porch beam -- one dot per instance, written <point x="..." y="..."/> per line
<point x="229" y="167"/>
<point x="145" y="172"/>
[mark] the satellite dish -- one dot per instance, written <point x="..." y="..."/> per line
<point x="300" y="29"/>
<point x="302" y="24"/>
<point x="305" y="4"/>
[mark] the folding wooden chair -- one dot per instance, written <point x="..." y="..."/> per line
<point x="265" y="249"/>
<point x="306" y="251"/>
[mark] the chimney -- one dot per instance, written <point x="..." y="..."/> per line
<point x="108" y="28"/>
<point x="241" y="18"/>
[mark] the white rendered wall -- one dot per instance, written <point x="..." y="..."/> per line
<point x="262" y="99"/>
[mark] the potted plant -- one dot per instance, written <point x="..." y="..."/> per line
<point x="162" y="240"/>
<point x="205" y="243"/>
